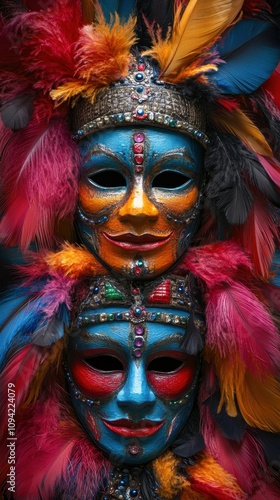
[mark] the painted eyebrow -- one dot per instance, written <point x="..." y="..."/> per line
<point x="182" y="152"/>
<point x="100" y="148"/>
<point x="89" y="337"/>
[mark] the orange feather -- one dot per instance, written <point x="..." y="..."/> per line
<point x="194" y="28"/>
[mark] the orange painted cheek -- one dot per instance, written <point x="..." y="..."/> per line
<point x="93" y="202"/>
<point x="179" y="203"/>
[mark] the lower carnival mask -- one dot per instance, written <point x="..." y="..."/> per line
<point x="131" y="380"/>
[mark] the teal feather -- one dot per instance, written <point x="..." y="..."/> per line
<point x="251" y="51"/>
<point x="124" y="8"/>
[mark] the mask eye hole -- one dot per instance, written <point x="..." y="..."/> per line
<point x="107" y="179"/>
<point x="164" y="364"/>
<point x="105" y="363"/>
<point x="170" y="179"/>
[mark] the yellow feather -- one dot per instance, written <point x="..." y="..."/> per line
<point x="258" y="399"/>
<point x="239" y="124"/>
<point x="169" y="479"/>
<point x="71" y="90"/>
<point x="198" y="27"/>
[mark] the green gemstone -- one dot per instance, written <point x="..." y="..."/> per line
<point x="140" y="263"/>
<point x="158" y="315"/>
<point x="112" y="293"/>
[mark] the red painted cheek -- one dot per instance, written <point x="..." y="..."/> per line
<point x="93" y="383"/>
<point x="172" y="385"/>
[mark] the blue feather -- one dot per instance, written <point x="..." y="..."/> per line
<point x="276" y="268"/>
<point x="19" y="318"/>
<point x="124" y="8"/>
<point x="251" y="52"/>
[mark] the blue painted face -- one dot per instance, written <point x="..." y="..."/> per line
<point x="132" y="407"/>
<point x="138" y="198"/>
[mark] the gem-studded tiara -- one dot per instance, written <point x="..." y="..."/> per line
<point x="140" y="99"/>
<point x="139" y="304"/>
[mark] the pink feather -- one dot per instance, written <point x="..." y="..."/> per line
<point x="242" y="460"/>
<point x="237" y="319"/>
<point x="215" y="263"/>
<point x="40" y="171"/>
<point x="272" y="169"/>
<point x="54" y="457"/>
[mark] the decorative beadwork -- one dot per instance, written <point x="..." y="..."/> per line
<point x="138" y="268"/>
<point x="140" y="98"/>
<point x="124" y="483"/>
<point x="88" y="220"/>
<point x="151" y="317"/>
<point x="130" y="118"/>
<point x="78" y="395"/>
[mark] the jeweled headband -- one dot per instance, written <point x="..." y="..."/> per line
<point x="145" y="303"/>
<point x="140" y="99"/>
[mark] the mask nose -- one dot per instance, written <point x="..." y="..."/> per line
<point x="136" y="398"/>
<point x="138" y="206"/>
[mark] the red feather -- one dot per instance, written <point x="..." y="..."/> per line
<point x="19" y="371"/>
<point x="243" y="460"/>
<point x="236" y="319"/>
<point x="259" y="236"/>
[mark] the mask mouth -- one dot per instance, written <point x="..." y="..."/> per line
<point x="128" y="428"/>
<point x="143" y="242"/>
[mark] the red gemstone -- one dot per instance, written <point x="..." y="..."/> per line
<point x="141" y="67"/>
<point x="139" y="170"/>
<point x="137" y="270"/>
<point x="161" y="294"/>
<point x="138" y="159"/>
<point x="135" y="291"/>
<point x="138" y="148"/>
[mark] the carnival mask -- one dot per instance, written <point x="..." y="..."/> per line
<point x="131" y="383"/>
<point x="139" y="197"/>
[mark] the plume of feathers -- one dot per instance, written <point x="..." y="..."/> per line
<point x="35" y="194"/>
<point x="103" y="56"/>
<point x="196" y="26"/>
<point x="250" y="53"/>
<point x="56" y="448"/>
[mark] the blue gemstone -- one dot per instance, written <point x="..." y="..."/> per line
<point x="199" y="134"/>
<point x="153" y="316"/>
<point x="118" y="316"/>
<point x="96" y="290"/>
<point x="137" y="311"/>
<point x="140" y="89"/>
<point x="123" y="482"/>
<point x="133" y="493"/>
<point x="139" y="77"/>
<point x="140" y="111"/>
<point x="180" y="289"/>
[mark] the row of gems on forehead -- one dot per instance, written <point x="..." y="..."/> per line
<point x="141" y="92"/>
<point x="138" y="151"/>
<point x="138" y="315"/>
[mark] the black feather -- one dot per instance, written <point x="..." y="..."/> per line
<point x="189" y="447"/>
<point x="10" y="8"/>
<point x="148" y="484"/>
<point x="231" y="427"/>
<point x="192" y="342"/>
<point x="157" y="13"/>
<point x="234" y="174"/>
<point x="17" y="113"/>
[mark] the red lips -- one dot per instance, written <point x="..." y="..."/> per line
<point x="141" y="243"/>
<point x="127" y="428"/>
